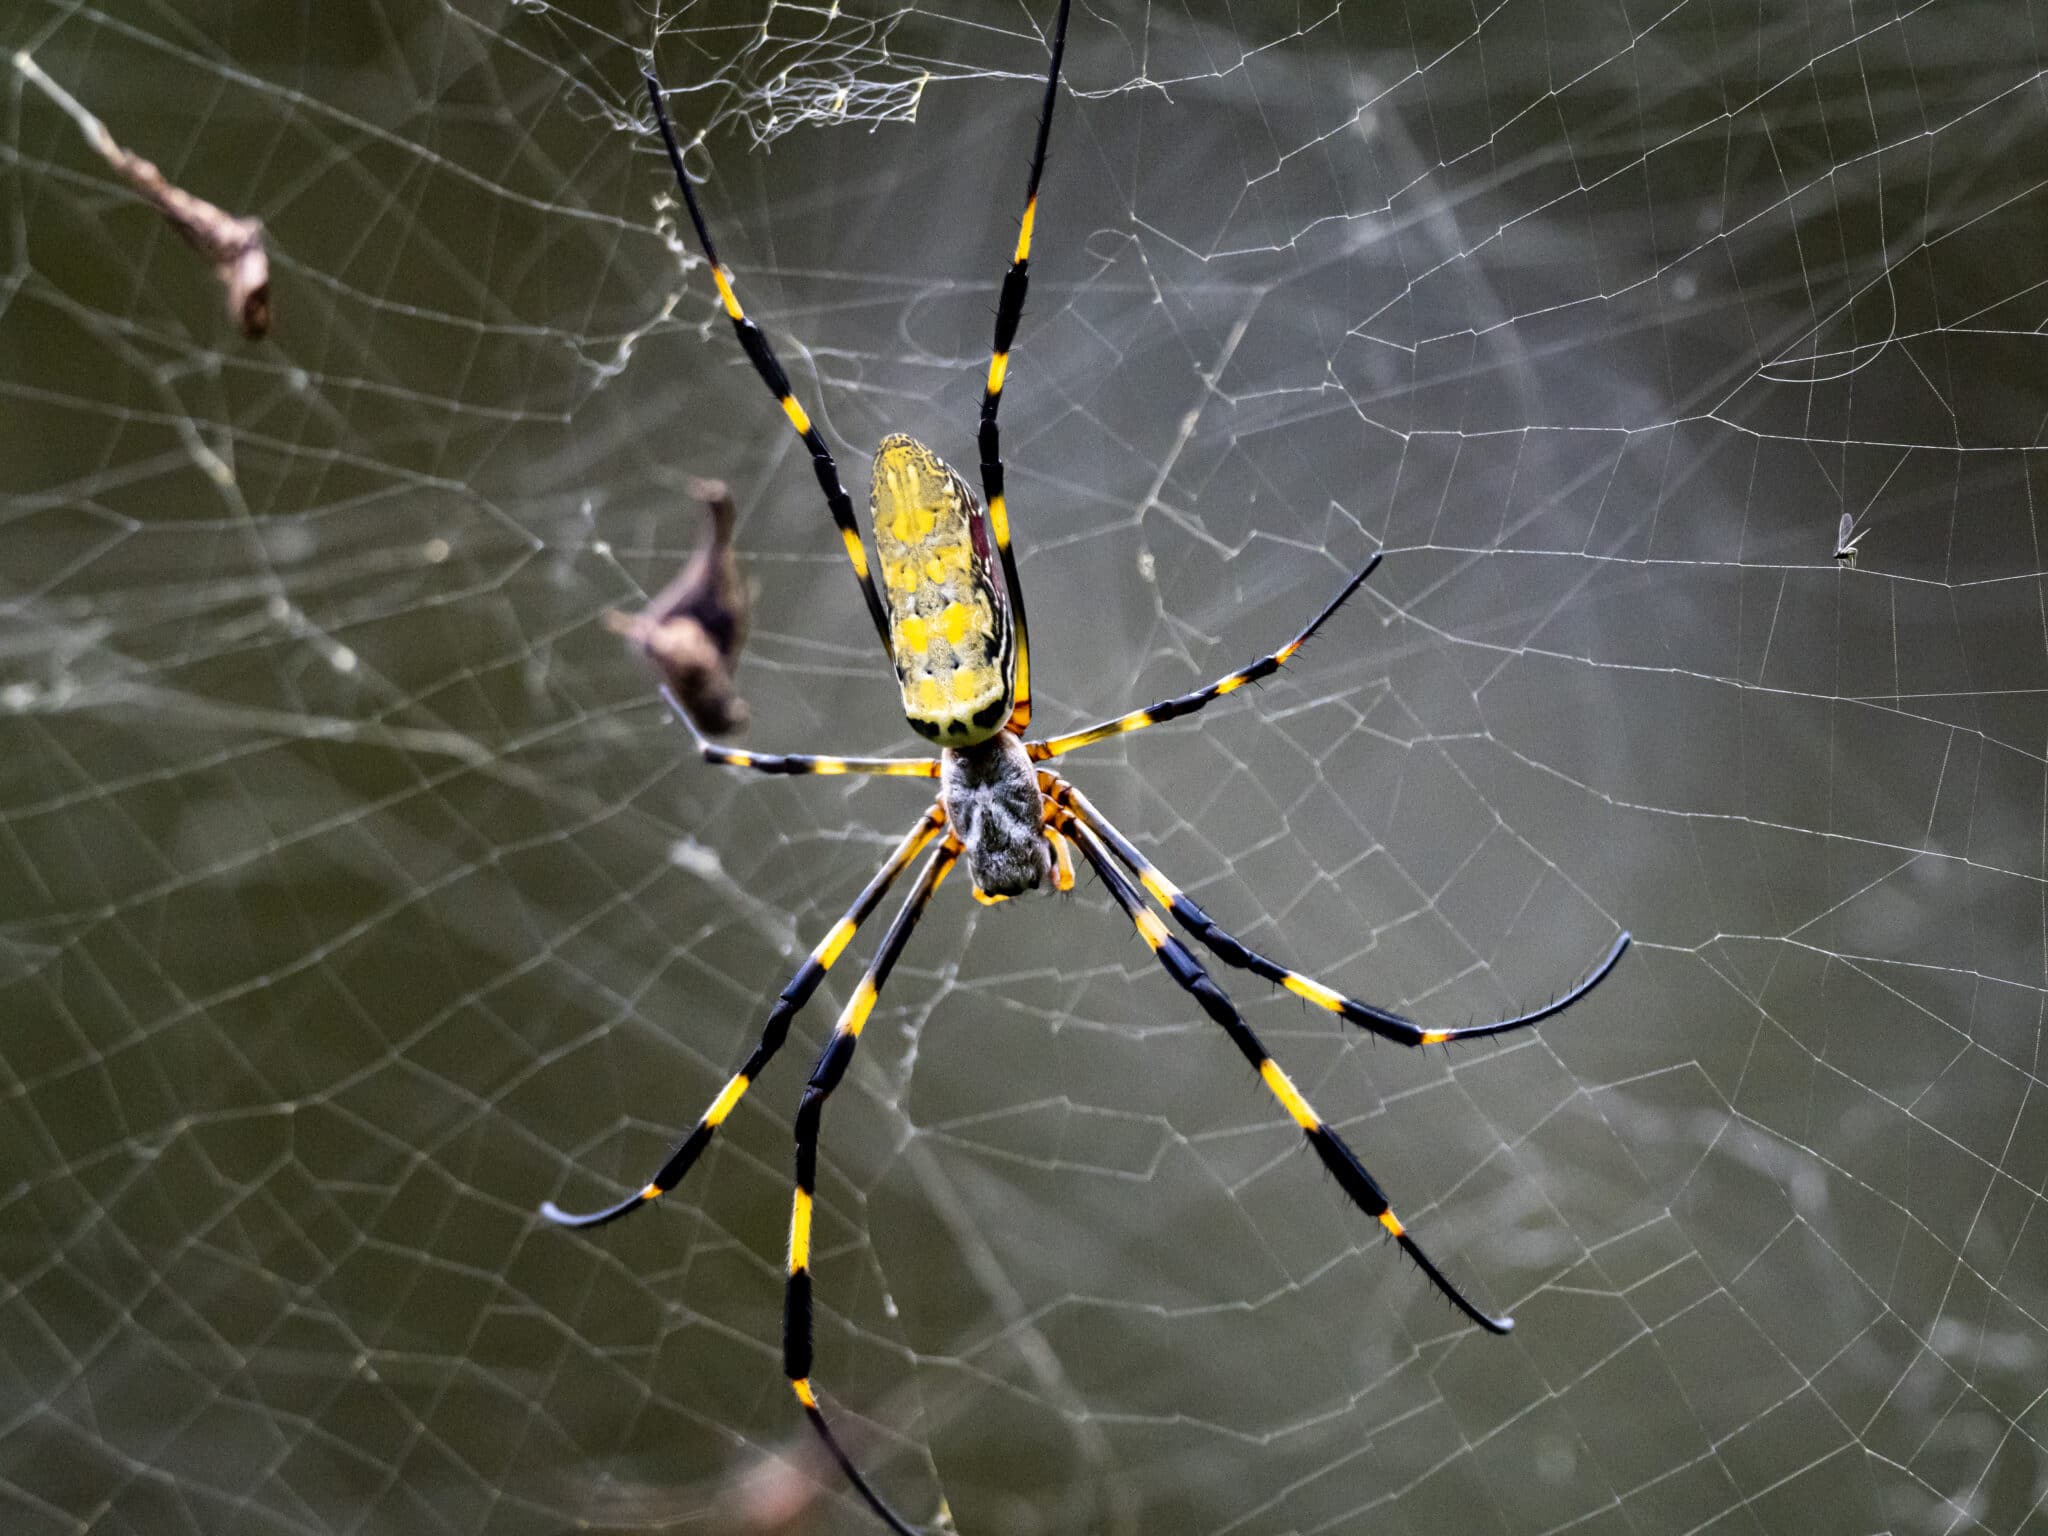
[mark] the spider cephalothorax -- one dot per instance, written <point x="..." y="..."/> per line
<point x="995" y="813"/>
<point x="962" y="655"/>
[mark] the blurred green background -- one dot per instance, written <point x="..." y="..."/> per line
<point x="356" y="895"/>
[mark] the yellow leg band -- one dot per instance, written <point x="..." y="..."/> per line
<point x="1163" y="890"/>
<point x="1062" y="860"/>
<point x="1315" y="992"/>
<point x="1392" y="1223"/>
<point x="1289" y="1096"/>
<point x="804" y="1394"/>
<point x="726" y="295"/>
<point x="855" y="552"/>
<point x="834" y="942"/>
<point x="728" y="1096"/>
<point x="858" y="1007"/>
<point x="800" y="1233"/>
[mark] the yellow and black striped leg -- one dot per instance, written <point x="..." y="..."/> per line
<point x="810" y="1115"/>
<point x="1188" y="703"/>
<point x="797" y="762"/>
<point x="792" y="998"/>
<point x="1009" y="311"/>
<point x="1231" y="951"/>
<point x="1342" y="1162"/>
<point x="754" y="342"/>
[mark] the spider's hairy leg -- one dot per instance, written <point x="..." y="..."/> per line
<point x="1062" y="859"/>
<point x="810" y="1115"/>
<point x="796" y="763"/>
<point x="1189" y="703"/>
<point x="754" y="342"/>
<point x="1232" y="951"/>
<point x="1343" y="1164"/>
<point x="1009" y="312"/>
<point x="792" y="998"/>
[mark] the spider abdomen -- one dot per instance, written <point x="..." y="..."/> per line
<point x="949" y="627"/>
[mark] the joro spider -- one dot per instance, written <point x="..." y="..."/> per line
<point x="962" y="656"/>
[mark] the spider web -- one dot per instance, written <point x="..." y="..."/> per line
<point x="356" y="896"/>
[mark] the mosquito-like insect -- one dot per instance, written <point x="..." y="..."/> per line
<point x="1846" y="540"/>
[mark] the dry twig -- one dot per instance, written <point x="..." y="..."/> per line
<point x="234" y="246"/>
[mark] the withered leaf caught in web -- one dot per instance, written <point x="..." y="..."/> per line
<point x="694" y="627"/>
<point x="233" y="245"/>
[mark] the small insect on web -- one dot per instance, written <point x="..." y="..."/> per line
<point x="1846" y="540"/>
<point x="693" y="629"/>
<point x="953" y="626"/>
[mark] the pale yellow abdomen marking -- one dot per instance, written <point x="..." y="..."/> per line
<point x="948" y="625"/>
